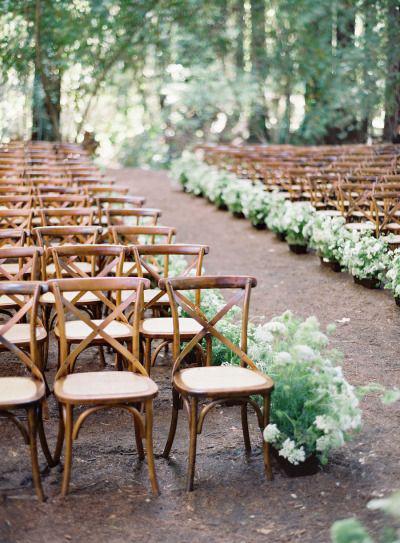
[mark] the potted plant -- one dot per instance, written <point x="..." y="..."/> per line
<point x="232" y="195"/>
<point x="277" y="211"/>
<point x="393" y="275"/>
<point x="256" y="204"/>
<point x="366" y="258"/>
<point x="314" y="410"/>
<point x="298" y="221"/>
<point x="328" y="237"/>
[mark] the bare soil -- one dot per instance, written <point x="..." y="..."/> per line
<point x="110" y="498"/>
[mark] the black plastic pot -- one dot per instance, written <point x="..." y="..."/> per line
<point x="309" y="467"/>
<point x="238" y="214"/>
<point x="298" y="249"/>
<point x="333" y="265"/>
<point x="281" y="236"/>
<point x="259" y="226"/>
<point x="368" y="282"/>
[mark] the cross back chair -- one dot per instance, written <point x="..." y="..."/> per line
<point x="386" y="212"/>
<point x="66" y="216"/>
<point x="16" y="202"/>
<point x="139" y="235"/>
<point x="16" y="218"/>
<point x="213" y="385"/>
<point x="135" y="216"/>
<point x="62" y="200"/>
<point x="12" y="237"/>
<point x="116" y="202"/>
<point x="105" y="190"/>
<point x="155" y="261"/>
<point x="96" y="391"/>
<point x="26" y="392"/>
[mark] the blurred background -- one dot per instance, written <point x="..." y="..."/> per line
<point x="141" y="80"/>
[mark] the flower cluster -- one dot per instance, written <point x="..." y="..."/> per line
<point x="328" y="237"/>
<point x="393" y="274"/>
<point x="365" y="256"/>
<point x="313" y="409"/>
<point x="297" y="221"/>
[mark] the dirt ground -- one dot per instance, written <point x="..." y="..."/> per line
<point x="110" y="497"/>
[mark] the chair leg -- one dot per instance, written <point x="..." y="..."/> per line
<point x="149" y="447"/>
<point x="193" y="444"/>
<point x="68" y="449"/>
<point x="147" y="355"/>
<point x="32" y="428"/>
<point x="266" y="446"/>
<point x="139" y="440"/>
<point x="173" y="424"/>
<point x="60" y="435"/>
<point x="245" y="428"/>
<point x="43" y="440"/>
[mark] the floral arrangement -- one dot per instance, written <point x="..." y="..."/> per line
<point x="256" y="204"/>
<point x="328" y="237"/>
<point x="313" y="408"/>
<point x="365" y="256"/>
<point x="233" y="193"/>
<point x="279" y="206"/>
<point x="393" y="274"/>
<point x="297" y="222"/>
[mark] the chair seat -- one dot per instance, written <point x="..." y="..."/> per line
<point x="361" y="226"/>
<point x="87" y="297"/>
<point x="20" y="390"/>
<point x="85" y="267"/>
<point x="329" y="213"/>
<point x="392" y="227"/>
<point x="78" y="330"/>
<point x="163" y="327"/>
<point x="221" y="381"/>
<point x="148" y="295"/>
<point x="106" y="386"/>
<point x="21" y="333"/>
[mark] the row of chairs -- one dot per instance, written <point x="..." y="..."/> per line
<point x="117" y="289"/>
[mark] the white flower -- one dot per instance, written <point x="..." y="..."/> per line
<point x="304" y="352"/>
<point x="283" y="358"/>
<point x="271" y="433"/>
<point x="291" y="453"/>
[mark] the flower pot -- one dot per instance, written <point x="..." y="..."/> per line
<point x="333" y="265"/>
<point x="259" y="226"/>
<point x="281" y="236"/>
<point x="309" y="467"/>
<point x="298" y="249"/>
<point x="368" y="282"/>
<point x="397" y="300"/>
<point x="238" y="214"/>
<point x="223" y="207"/>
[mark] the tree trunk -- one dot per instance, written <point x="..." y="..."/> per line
<point x="46" y="99"/>
<point x="257" y="121"/>
<point x="239" y="23"/>
<point x="391" y="131"/>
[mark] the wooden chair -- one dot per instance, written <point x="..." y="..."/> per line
<point x="11" y="237"/>
<point x="133" y="217"/>
<point x="140" y="235"/>
<point x="16" y="202"/>
<point x="62" y="200"/>
<point x="154" y="259"/>
<point x="66" y="216"/>
<point x="116" y="202"/>
<point x="16" y="218"/>
<point x="95" y="391"/>
<point x="26" y="392"/>
<point x="231" y="385"/>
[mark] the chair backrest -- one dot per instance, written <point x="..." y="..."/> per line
<point x="62" y="200"/>
<point x="155" y="260"/>
<point x="175" y="288"/>
<point x="116" y="202"/>
<point x="16" y="202"/>
<point x="25" y="295"/>
<point x="16" y="218"/>
<point x="25" y="261"/>
<point x="139" y="235"/>
<point x="104" y="260"/>
<point x="11" y="237"/>
<point x="136" y="216"/>
<point x="103" y="288"/>
<point x="48" y="236"/>
<point x="66" y="216"/>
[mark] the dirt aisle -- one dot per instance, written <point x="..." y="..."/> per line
<point x="109" y="498"/>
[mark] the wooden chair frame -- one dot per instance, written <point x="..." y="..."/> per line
<point x="127" y="358"/>
<point x="29" y="356"/>
<point x="181" y="396"/>
<point x="139" y="213"/>
<point x="129" y="235"/>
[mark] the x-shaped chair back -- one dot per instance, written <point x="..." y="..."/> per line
<point x="150" y="258"/>
<point x="48" y="236"/>
<point x="25" y="295"/>
<point x="137" y="216"/>
<point x="12" y="237"/>
<point x="62" y="200"/>
<point x="67" y="216"/>
<point x="16" y="202"/>
<point x="386" y="209"/>
<point x="100" y="189"/>
<point x="353" y="197"/>
<point x="16" y="218"/>
<point x="117" y="202"/>
<point x="103" y="288"/>
<point x="27" y="259"/>
<point x="241" y="284"/>
<point x="138" y="235"/>
<point x="104" y="260"/>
